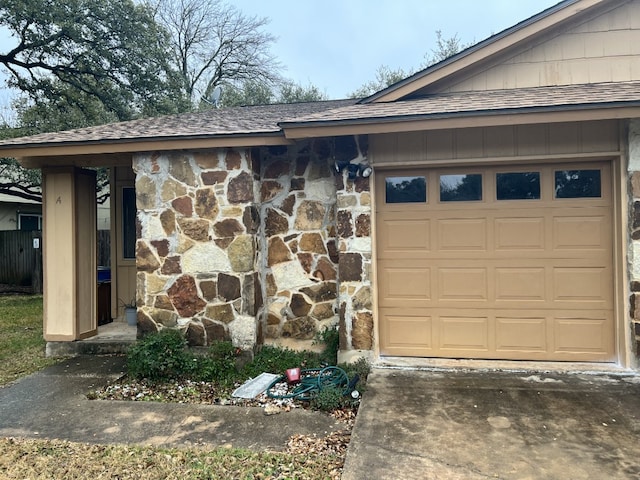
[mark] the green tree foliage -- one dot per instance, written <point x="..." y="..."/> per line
<point x="257" y="93"/>
<point x="386" y="76"/>
<point x="112" y="51"/>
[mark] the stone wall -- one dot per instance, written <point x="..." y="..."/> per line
<point x="355" y="250"/>
<point x="634" y="251"/>
<point x="299" y="264"/>
<point x="317" y="242"/>
<point x="196" y="248"/>
<point x="220" y="231"/>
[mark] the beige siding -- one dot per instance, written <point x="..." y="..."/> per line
<point x="604" y="49"/>
<point x="69" y="254"/>
<point x="123" y="276"/>
<point x="495" y="142"/>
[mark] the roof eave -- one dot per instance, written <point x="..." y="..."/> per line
<point x="143" y="144"/>
<point x="519" y="116"/>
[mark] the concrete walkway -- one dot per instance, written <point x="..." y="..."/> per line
<point x="479" y="425"/>
<point x="432" y="425"/>
<point x="52" y="404"/>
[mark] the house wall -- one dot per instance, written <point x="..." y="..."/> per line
<point x="244" y="245"/>
<point x="510" y="142"/>
<point x="634" y="233"/>
<point x="196" y="252"/>
<point x="9" y="214"/>
<point x="315" y="243"/>
<point x="604" y="49"/>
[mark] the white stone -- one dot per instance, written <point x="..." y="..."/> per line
<point x="635" y="260"/>
<point x="360" y="244"/>
<point x="634" y="145"/>
<point x="243" y="332"/>
<point x="154" y="230"/>
<point x="290" y="275"/>
<point x="321" y="190"/>
<point x="205" y="258"/>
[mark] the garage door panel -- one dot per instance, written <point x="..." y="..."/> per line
<point x="580" y="284"/>
<point x="402" y="283"/>
<point x="462" y="234"/>
<point x="521" y="334"/>
<point x="525" y="279"/>
<point x="462" y="284"/>
<point x="520" y="283"/>
<point x="406" y="234"/>
<point x="464" y="333"/>
<point x="581" y="232"/>
<point x="410" y="331"/>
<point x="519" y="234"/>
<point x="583" y="333"/>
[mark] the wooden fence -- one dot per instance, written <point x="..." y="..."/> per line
<point x="21" y="263"/>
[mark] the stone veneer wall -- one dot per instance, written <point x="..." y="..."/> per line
<point x="317" y="242"/>
<point x="196" y="247"/>
<point x="355" y="251"/>
<point x="634" y="251"/>
<point x="299" y="264"/>
<point x="221" y="230"/>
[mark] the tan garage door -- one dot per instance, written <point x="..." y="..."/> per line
<point x="496" y="262"/>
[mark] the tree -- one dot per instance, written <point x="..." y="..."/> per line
<point x="257" y="93"/>
<point x="386" y="76"/>
<point x="445" y="48"/>
<point x="213" y="43"/>
<point x="112" y="51"/>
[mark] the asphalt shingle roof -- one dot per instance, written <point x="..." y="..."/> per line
<point x="481" y="102"/>
<point x="272" y="119"/>
<point x="252" y="120"/>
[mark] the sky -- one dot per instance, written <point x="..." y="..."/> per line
<point x="337" y="45"/>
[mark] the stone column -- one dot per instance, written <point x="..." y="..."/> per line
<point x="634" y="250"/>
<point x="353" y="228"/>
<point x="196" y="252"/>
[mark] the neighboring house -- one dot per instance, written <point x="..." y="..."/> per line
<point x="500" y="221"/>
<point x="17" y="213"/>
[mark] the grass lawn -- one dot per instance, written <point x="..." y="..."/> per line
<point x="22" y="352"/>
<point x="21" y="342"/>
<point x="45" y="459"/>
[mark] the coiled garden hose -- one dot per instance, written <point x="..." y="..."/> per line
<point x="312" y="381"/>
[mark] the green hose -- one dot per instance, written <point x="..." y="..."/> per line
<point x="312" y="381"/>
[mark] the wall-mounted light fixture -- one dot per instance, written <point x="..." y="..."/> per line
<point x="354" y="169"/>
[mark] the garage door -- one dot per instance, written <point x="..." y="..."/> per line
<point x="496" y="262"/>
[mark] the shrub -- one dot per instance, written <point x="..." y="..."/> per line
<point x="159" y="356"/>
<point x="277" y="360"/>
<point x="328" y="399"/>
<point x="330" y="337"/>
<point x="360" y="367"/>
<point x="218" y="365"/>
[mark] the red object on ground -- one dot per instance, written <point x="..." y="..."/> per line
<point x="293" y="375"/>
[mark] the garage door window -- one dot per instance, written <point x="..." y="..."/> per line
<point x="518" y="186"/>
<point x="461" y="188"/>
<point x="578" y="184"/>
<point x="406" y="189"/>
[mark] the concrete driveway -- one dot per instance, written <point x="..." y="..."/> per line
<point x="480" y="425"/>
